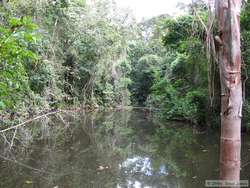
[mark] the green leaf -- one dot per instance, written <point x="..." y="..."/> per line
<point x="2" y="105"/>
<point x="15" y="22"/>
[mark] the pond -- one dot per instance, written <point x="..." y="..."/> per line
<point x="112" y="149"/>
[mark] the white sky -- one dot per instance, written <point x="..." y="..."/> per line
<point x="150" y="8"/>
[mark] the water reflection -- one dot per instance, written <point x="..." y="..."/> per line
<point x="139" y="172"/>
<point x="116" y="149"/>
<point x="137" y="165"/>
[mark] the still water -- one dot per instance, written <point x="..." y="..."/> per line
<point x="115" y="149"/>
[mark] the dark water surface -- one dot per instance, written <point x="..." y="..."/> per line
<point x="122" y="149"/>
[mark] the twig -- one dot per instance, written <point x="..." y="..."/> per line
<point x="28" y="121"/>
<point x="5" y="139"/>
<point x="12" y="140"/>
<point x="61" y="118"/>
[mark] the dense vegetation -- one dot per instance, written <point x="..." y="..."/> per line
<point x="60" y="54"/>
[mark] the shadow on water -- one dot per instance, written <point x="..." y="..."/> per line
<point x="120" y="149"/>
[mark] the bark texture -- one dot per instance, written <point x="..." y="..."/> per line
<point x="229" y="55"/>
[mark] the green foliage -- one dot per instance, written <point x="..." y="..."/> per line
<point x="180" y="90"/>
<point x="145" y="74"/>
<point x="121" y="92"/>
<point x="177" y="31"/>
<point x="40" y="76"/>
<point x="83" y="53"/>
<point x="175" y="104"/>
<point x="97" y="56"/>
<point x="179" y="66"/>
<point x="145" y="55"/>
<point x="16" y="37"/>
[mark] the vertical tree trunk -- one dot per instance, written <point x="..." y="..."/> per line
<point x="228" y="14"/>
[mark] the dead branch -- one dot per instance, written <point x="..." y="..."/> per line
<point x="62" y="120"/>
<point x="28" y="121"/>
<point x="13" y="138"/>
<point x="5" y="139"/>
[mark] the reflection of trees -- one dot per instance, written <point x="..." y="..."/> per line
<point x="172" y="145"/>
<point x="139" y="172"/>
<point x="192" y="159"/>
<point x="70" y="156"/>
<point x="105" y="150"/>
<point x="123" y="141"/>
<point x="154" y="163"/>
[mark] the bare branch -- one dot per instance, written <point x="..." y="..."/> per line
<point x="28" y="121"/>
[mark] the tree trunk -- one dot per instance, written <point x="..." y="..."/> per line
<point x="229" y="55"/>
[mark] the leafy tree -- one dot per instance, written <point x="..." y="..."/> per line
<point x="145" y="75"/>
<point x="181" y="92"/>
<point x="16" y="37"/>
